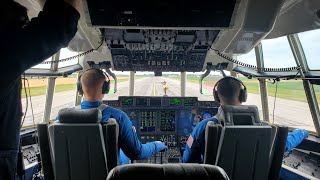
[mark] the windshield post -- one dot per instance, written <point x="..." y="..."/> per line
<point x="78" y="96"/>
<point x="300" y="58"/>
<point x="131" y="83"/>
<point x="50" y="88"/>
<point x="183" y="80"/>
<point x="262" y="83"/>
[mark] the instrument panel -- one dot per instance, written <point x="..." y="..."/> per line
<point x="166" y="119"/>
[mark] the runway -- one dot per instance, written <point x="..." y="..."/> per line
<point x="287" y="112"/>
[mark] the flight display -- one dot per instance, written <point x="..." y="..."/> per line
<point x="141" y="101"/>
<point x="175" y="101"/>
<point x="127" y="101"/>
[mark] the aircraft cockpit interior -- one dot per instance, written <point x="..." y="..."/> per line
<point x="182" y="49"/>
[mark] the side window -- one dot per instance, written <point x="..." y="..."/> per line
<point x="249" y="58"/>
<point x="43" y="66"/>
<point x="38" y="88"/>
<point x="277" y="53"/>
<point x="66" y="53"/>
<point x="310" y="41"/>
<point x="64" y="94"/>
<point x="291" y="107"/>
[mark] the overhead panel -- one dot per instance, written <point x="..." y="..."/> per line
<point x="159" y="50"/>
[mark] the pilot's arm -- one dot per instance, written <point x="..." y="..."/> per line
<point x="295" y="138"/>
<point x="195" y="144"/>
<point x="130" y="144"/>
<point x="42" y="37"/>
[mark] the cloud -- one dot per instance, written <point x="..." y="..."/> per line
<point x="277" y="52"/>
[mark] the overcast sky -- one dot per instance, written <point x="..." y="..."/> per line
<point x="277" y="52"/>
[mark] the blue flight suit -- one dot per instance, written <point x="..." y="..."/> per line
<point x="195" y="145"/>
<point x="295" y="138"/>
<point x="206" y="115"/>
<point x="194" y="149"/>
<point x="128" y="139"/>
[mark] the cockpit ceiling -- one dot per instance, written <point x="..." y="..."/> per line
<point x="175" y="35"/>
<point x="176" y="14"/>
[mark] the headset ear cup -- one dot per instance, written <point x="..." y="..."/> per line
<point x="216" y="96"/>
<point x="106" y="87"/>
<point x="243" y="95"/>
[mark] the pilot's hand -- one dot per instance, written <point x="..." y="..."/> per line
<point x="305" y="133"/>
<point x="160" y="146"/>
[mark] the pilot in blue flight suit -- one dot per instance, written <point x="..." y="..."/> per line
<point x="93" y="84"/>
<point x="229" y="92"/>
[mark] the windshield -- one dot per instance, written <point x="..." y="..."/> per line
<point x="291" y="107"/>
<point x="146" y="84"/>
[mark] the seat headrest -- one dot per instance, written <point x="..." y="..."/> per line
<point x="241" y="115"/>
<point x="187" y="171"/>
<point x="78" y="116"/>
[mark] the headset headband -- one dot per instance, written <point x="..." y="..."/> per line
<point x="106" y="83"/>
<point x="242" y="94"/>
<point x="105" y="74"/>
<point x="229" y="77"/>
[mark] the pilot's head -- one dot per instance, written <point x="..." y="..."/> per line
<point x="92" y="82"/>
<point x="228" y="91"/>
<point x="13" y="15"/>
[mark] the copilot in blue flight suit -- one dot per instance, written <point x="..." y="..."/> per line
<point x="195" y="145"/>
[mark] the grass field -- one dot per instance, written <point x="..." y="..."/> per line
<point x="292" y="89"/>
<point x="39" y="86"/>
